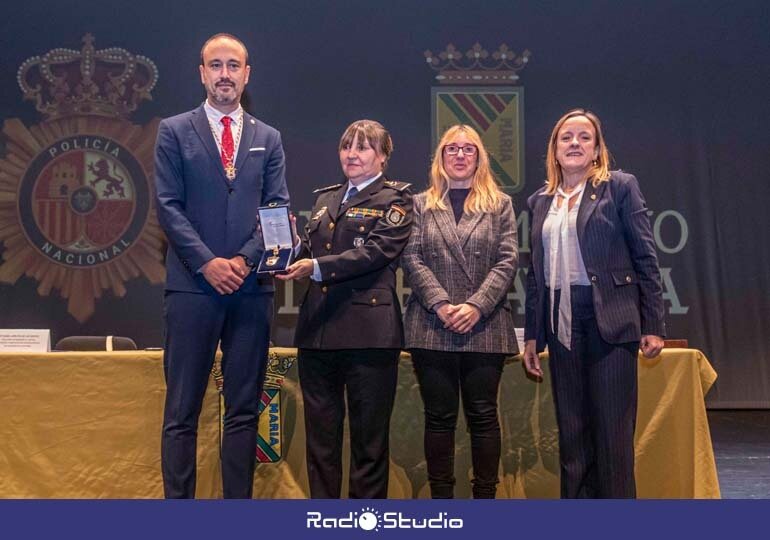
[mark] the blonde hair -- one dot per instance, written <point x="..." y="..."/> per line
<point x="374" y="133"/>
<point x="599" y="170"/>
<point x="485" y="194"/>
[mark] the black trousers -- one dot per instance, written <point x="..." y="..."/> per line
<point x="595" y="393"/>
<point x="369" y="376"/>
<point x="443" y="377"/>
<point x="195" y="324"/>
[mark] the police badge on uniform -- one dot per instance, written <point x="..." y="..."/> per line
<point x="395" y="215"/>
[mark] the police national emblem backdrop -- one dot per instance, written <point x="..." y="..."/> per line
<point x="680" y="88"/>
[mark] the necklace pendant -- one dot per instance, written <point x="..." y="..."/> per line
<point x="230" y="171"/>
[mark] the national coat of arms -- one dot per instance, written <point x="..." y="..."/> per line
<point x="75" y="191"/>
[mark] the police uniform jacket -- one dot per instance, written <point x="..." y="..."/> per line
<point x="357" y="246"/>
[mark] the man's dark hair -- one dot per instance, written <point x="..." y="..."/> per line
<point x="227" y="36"/>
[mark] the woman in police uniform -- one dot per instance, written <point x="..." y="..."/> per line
<point x="349" y="331"/>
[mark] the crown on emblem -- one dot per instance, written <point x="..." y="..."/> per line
<point x="477" y="66"/>
<point x="108" y="82"/>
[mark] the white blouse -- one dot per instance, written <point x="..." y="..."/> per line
<point x="577" y="273"/>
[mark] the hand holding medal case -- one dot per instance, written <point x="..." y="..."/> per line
<point x="278" y="238"/>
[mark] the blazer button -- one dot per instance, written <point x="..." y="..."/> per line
<point x="593" y="279"/>
<point x="361" y="228"/>
<point x="334" y="274"/>
<point x="628" y="279"/>
<point x="374" y="301"/>
<point x="324" y="289"/>
<point x="331" y="226"/>
<point x="328" y="246"/>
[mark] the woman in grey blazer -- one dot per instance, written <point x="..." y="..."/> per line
<point x="460" y="261"/>
<point x="594" y="297"/>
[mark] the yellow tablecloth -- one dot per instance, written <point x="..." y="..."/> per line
<point x="87" y="425"/>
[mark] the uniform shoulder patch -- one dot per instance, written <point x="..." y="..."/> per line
<point x="320" y="213"/>
<point x="327" y="188"/>
<point x="395" y="215"/>
<point x="397" y="185"/>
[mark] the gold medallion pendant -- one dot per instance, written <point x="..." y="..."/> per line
<point x="273" y="260"/>
<point x="230" y="171"/>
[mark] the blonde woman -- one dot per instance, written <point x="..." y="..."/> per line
<point x="594" y="297"/>
<point x="460" y="262"/>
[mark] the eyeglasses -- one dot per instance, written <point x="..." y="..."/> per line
<point x="453" y="150"/>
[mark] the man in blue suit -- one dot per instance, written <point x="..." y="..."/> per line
<point x="214" y="167"/>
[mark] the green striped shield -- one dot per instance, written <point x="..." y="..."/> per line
<point x="497" y="113"/>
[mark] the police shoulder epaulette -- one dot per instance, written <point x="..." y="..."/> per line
<point x="395" y="184"/>
<point x="327" y="188"/>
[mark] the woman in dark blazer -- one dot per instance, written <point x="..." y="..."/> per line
<point x="594" y="297"/>
<point x="349" y="331"/>
<point x="460" y="261"/>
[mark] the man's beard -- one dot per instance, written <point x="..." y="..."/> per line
<point x="221" y="99"/>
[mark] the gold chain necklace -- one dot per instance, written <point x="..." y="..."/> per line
<point x="230" y="170"/>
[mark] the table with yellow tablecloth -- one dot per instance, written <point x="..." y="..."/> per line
<point x="87" y="425"/>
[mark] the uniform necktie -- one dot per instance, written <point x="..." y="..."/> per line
<point x="560" y="266"/>
<point x="350" y="194"/>
<point x="228" y="146"/>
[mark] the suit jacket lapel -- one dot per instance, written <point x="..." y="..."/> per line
<point x="588" y="203"/>
<point x="539" y="213"/>
<point x="248" y="134"/>
<point x="335" y="200"/>
<point x="466" y="226"/>
<point x="446" y="224"/>
<point x="201" y="125"/>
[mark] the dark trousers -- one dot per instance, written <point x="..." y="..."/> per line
<point x="443" y="377"/>
<point x="369" y="376"/>
<point x="595" y="393"/>
<point x="195" y="324"/>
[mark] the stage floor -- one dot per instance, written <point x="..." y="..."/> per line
<point x="741" y="440"/>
